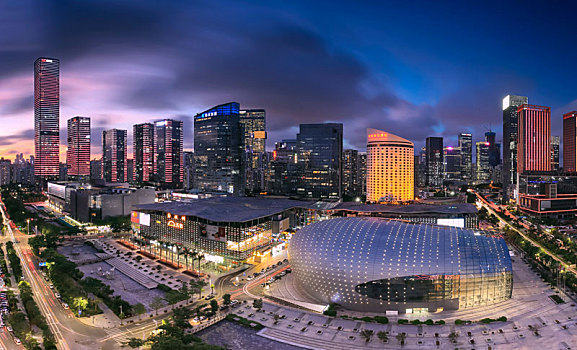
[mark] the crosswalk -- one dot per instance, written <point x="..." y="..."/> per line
<point x="121" y="336"/>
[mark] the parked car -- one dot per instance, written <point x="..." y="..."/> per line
<point x="65" y="306"/>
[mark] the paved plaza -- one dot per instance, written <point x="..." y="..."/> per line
<point x="534" y="321"/>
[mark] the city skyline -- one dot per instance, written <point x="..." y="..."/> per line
<point x="383" y="85"/>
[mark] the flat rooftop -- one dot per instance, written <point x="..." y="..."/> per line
<point x="242" y="209"/>
<point x="419" y="208"/>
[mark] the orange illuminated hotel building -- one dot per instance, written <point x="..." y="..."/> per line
<point x="390" y="167"/>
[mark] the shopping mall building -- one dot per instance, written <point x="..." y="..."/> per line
<point x="232" y="230"/>
<point x="380" y="265"/>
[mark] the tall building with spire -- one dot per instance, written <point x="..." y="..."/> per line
<point x="78" y="151"/>
<point x="390" y="167"/>
<point x="46" y="118"/>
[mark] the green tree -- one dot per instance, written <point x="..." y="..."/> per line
<point x="257" y="304"/>
<point x="157" y="303"/>
<point x="401" y="338"/>
<point x="139" y="309"/>
<point x="367" y="334"/>
<point x="134" y="343"/>
<point x="226" y="299"/>
<point x="80" y="304"/>
<point x="213" y="306"/>
<point x="383" y="336"/>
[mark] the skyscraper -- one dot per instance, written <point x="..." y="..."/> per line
<point x="114" y="154"/>
<point x="570" y="142"/>
<point x="351" y="173"/>
<point x="46" y="118"/>
<point x="283" y="169"/>
<point x="188" y="170"/>
<point x="483" y="168"/>
<point x="555" y="143"/>
<point x="452" y="163"/>
<point x="466" y="150"/>
<point x="143" y="152"/>
<point x="320" y="152"/>
<point x="434" y="162"/>
<point x="218" y="149"/>
<point x="5" y="171"/>
<point x="494" y="149"/>
<point x="510" y="132"/>
<point x="253" y="129"/>
<point x="390" y="167"/>
<point x="78" y="152"/>
<point x="168" y="148"/>
<point x="534" y="139"/>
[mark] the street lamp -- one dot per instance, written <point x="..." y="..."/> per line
<point x="28" y="226"/>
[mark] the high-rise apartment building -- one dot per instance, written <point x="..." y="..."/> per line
<point x="466" y="149"/>
<point x="5" y="171"/>
<point x="114" y="152"/>
<point x="511" y="104"/>
<point x="168" y="148"/>
<point x="483" y="166"/>
<point x="320" y="152"/>
<point x="390" y="167"/>
<point x="218" y="149"/>
<point x="555" y="143"/>
<point x="253" y="129"/>
<point x="452" y="163"/>
<point x="46" y="118"/>
<point x="570" y="142"/>
<point x="78" y="152"/>
<point x="351" y="173"/>
<point x="434" y="162"/>
<point x="143" y="152"/>
<point x="534" y="139"/>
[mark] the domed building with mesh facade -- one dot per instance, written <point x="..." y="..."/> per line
<point x="377" y="265"/>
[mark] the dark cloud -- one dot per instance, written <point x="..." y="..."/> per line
<point x="26" y="135"/>
<point x="176" y="58"/>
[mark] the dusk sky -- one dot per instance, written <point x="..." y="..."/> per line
<point x="413" y="68"/>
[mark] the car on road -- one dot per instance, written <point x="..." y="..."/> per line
<point x="9" y="329"/>
<point x="51" y="286"/>
<point x="208" y="297"/>
<point x="56" y="294"/>
<point x="65" y="306"/>
<point x="249" y="278"/>
<point x="17" y="341"/>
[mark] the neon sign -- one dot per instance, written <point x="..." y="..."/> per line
<point x="176" y="221"/>
<point x="175" y="224"/>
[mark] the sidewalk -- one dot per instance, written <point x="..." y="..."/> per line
<point x="107" y="319"/>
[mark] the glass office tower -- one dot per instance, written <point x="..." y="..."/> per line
<point x="78" y="152"/>
<point x="114" y="154"/>
<point x="168" y="147"/>
<point x="46" y="118"/>
<point x="218" y="150"/>
<point x="320" y="151"/>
